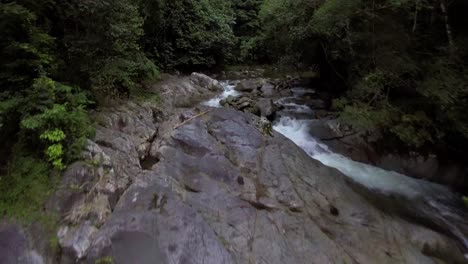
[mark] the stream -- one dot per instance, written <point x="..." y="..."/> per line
<point x="228" y="90"/>
<point x="431" y="204"/>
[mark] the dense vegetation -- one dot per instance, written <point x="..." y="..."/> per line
<point x="59" y="58"/>
<point x="398" y="66"/>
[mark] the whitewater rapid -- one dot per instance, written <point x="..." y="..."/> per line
<point x="434" y="203"/>
<point x="228" y="91"/>
<point x="367" y="175"/>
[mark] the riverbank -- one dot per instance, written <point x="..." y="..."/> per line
<point x="185" y="182"/>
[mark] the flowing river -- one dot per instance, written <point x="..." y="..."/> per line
<point x="428" y="203"/>
<point x="228" y="90"/>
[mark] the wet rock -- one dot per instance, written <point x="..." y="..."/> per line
<point x="249" y="85"/>
<point x="186" y="91"/>
<point x="428" y="167"/>
<point x="267" y="107"/>
<point x="203" y="80"/>
<point x="317" y="104"/>
<point x="268" y="90"/>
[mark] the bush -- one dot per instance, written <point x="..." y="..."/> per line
<point x="25" y="188"/>
<point x="56" y="120"/>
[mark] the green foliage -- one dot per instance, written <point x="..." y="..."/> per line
<point x="55" y="116"/>
<point x="285" y="33"/>
<point x="247" y="30"/>
<point x="186" y="34"/>
<point x="25" y="188"/>
<point x="25" y="49"/>
<point x="401" y="81"/>
<point x="102" y="45"/>
<point x="333" y="18"/>
<point x="105" y="260"/>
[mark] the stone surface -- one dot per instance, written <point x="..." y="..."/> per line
<point x="203" y="80"/>
<point x="186" y="91"/>
<point x="249" y="85"/>
<point x="267" y="107"/>
<point x="75" y="240"/>
<point x="223" y="192"/>
<point x="15" y="247"/>
<point x="268" y="90"/>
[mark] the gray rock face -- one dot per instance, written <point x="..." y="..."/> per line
<point x="267" y="107"/>
<point x="268" y="90"/>
<point x="203" y="80"/>
<point x="15" y="248"/>
<point x="186" y="91"/>
<point x="249" y="85"/>
<point x="223" y="192"/>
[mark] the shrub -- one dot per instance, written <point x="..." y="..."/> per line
<point x="56" y="118"/>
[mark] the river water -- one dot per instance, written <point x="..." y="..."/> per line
<point x="228" y="90"/>
<point x="434" y="204"/>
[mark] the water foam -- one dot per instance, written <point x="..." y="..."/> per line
<point x="228" y="90"/>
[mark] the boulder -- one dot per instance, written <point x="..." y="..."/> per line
<point x="249" y="85"/>
<point x="267" y="107"/>
<point x="203" y="80"/>
<point x="268" y="90"/>
<point x="176" y="91"/>
<point x="75" y="240"/>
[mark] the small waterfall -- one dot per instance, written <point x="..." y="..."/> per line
<point x="228" y="90"/>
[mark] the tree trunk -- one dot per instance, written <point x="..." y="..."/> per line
<point x="448" y="28"/>
<point x="415" y="22"/>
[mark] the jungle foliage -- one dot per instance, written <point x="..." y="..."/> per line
<point x="399" y="65"/>
<point x="59" y="58"/>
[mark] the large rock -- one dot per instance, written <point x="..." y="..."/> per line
<point x="249" y="85"/>
<point x="225" y="192"/>
<point x="186" y="91"/>
<point x="267" y="107"/>
<point x="205" y="81"/>
<point x="268" y="90"/>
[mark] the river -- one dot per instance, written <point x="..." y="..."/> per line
<point x="432" y="204"/>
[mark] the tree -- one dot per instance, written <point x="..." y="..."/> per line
<point x="100" y="42"/>
<point x="187" y="34"/>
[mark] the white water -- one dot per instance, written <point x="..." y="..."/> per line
<point x="378" y="179"/>
<point x="371" y="177"/>
<point x="367" y="175"/>
<point x="228" y="90"/>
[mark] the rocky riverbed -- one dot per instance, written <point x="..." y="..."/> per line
<point x="184" y="182"/>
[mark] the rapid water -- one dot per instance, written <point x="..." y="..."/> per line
<point x="228" y="90"/>
<point x="435" y="203"/>
<point x="367" y="175"/>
